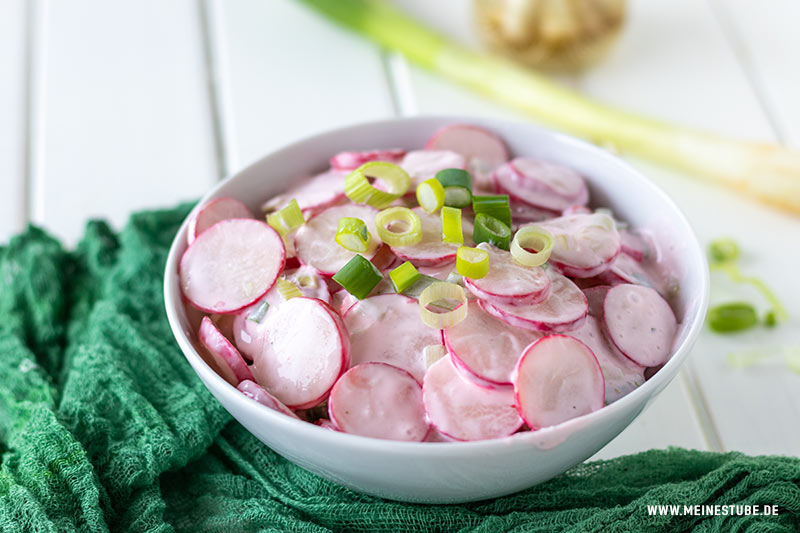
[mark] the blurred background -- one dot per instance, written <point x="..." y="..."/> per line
<point x="111" y="106"/>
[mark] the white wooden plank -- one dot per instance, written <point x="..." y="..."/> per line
<point x="126" y="121"/>
<point x="768" y="43"/>
<point x="13" y="110"/>
<point x="285" y="73"/>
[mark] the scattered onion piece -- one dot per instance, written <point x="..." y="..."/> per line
<point x="443" y="291"/>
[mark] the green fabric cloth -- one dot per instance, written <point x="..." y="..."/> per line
<point x="104" y="427"/>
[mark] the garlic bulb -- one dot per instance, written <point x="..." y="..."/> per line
<point x="551" y="34"/>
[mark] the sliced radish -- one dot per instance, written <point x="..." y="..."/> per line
<point x="638" y="245"/>
<point x="385" y="259"/>
<point x="483" y="150"/>
<point x="525" y="214"/>
<point x="254" y="391"/>
<point x="439" y="271"/>
<point x="463" y="410"/>
<point x="563" y="310"/>
<point x="509" y="282"/>
<point x="388" y="328"/>
<point x="485" y="349"/>
<point x="541" y="184"/>
<point x="583" y="245"/>
<point x="231" y="265"/>
<point x="310" y="282"/>
<point x="249" y="332"/>
<point x="424" y="164"/>
<point x="379" y="400"/>
<point x="621" y="375"/>
<point x="342" y="300"/>
<point x="595" y="296"/>
<point x="326" y="424"/>
<point x="557" y="378"/>
<point x="307" y="349"/>
<point x="216" y="211"/>
<point x="576" y="210"/>
<point x="625" y="269"/>
<point x="431" y="250"/>
<point x="348" y="161"/>
<point x="640" y="323"/>
<point x="316" y="244"/>
<point x="228" y="359"/>
<point x="314" y="194"/>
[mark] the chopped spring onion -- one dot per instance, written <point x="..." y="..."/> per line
<point x="287" y="219"/>
<point x="433" y="353"/>
<point x="358" y="188"/>
<point x="306" y="281"/>
<point x="441" y="291"/>
<point x="404" y="276"/>
<point x="723" y="250"/>
<point x="398" y="226"/>
<point x="770" y="320"/>
<point x="451" y="225"/>
<point x="494" y="205"/>
<point x="422" y="283"/>
<point x="727" y="318"/>
<point x="287" y="289"/>
<point x="457" y="197"/>
<point x="258" y="315"/>
<point x="430" y="195"/>
<point x="352" y="234"/>
<point x="733" y="272"/>
<point x="457" y="185"/>
<point x="765" y="171"/>
<point x="531" y="238"/>
<point x="472" y="263"/>
<point x="489" y="229"/>
<point x="358" y="277"/>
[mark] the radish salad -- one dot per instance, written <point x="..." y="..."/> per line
<point x="450" y="293"/>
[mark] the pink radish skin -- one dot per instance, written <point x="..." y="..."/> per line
<point x="216" y="211"/>
<point x="522" y="214"/>
<point x="326" y="424"/>
<point x="576" y="210"/>
<point x="625" y="269"/>
<point x="541" y="184"/>
<point x="307" y="350"/>
<point x="231" y="265"/>
<point x="462" y="410"/>
<point x="595" y="296"/>
<point x="640" y="323"/>
<point x="508" y="282"/>
<point x="583" y="245"/>
<point x="424" y="164"/>
<point x="385" y="259"/>
<point x="485" y="349"/>
<point x="313" y="194"/>
<point x="388" y="329"/>
<point x="316" y="244"/>
<point x="310" y="282"/>
<point x="227" y="357"/>
<point x="254" y="391"/>
<point x="342" y="300"/>
<point x="431" y="250"/>
<point x="621" y="375"/>
<point x="380" y="401"/>
<point x="249" y="335"/>
<point x="348" y="161"/>
<point x="483" y="150"/>
<point x="556" y="379"/>
<point x="636" y="244"/>
<point x="563" y="310"/>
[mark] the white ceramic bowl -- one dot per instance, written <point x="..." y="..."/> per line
<point x="459" y="471"/>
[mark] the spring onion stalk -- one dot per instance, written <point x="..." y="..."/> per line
<point x="765" y="171"/>
<point x="258" y="315"/>
<point x="287" y="289"/>
<point x="358" y="188"/>
<point x="352" y="234"/>
<point x="430" y="195"/>
<point x="723" y="250"/>
<point x="730" y="317"/>
<point x="531" y="238"/>
<point x="422" y="283"/>
<point x="305" y="281"/>
<point x="358" y="277"/>
<point x="489" y="229"/>
<point x="451" y="225"/>
<point x="472" y="263"/>
<point x="287" y="219"/>
<point x="496" y="206"/>
<point x="442" y="291"/>
<point x="398" y="226"/>
<point x="433" y="353"/>
<point x="457" y="185"/>
<point x="733" y="272"/>
<point x="404" y="276"/>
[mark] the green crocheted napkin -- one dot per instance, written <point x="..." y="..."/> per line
<point x="104" y="427"/>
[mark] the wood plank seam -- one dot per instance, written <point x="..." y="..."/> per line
<point x="399" y="82"/>
<point x="35" y="78"/>
<point x="702" y="412"/>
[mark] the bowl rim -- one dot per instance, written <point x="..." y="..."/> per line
<point x="643" y="394"/>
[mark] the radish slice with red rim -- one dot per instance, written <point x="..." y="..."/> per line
<point x="522" y="214"/>
<point x="431" y="250"/>
<point x="231" y="265"/>
<point x="314" y="194"/>
<point x="307" y="349"/>
<point x="625" y="269"/>
<point x="254" y="391"/>
<point x="485" y="349"/>
<point x="541" y="184"/>
<point x="508" y="282"/>
<point x="342" y="300"/>
<point x="388" y="328"/>
<point x="316" y="244"/>
<point x="483" y="150"/>
<point x="379" y="400"/>
<point x="422" y="165"/>
<point x="310" y="282"/>
<point x="557" y="378"/>
<point x="563" y="309"/>
<point x="347" y="161"/>
<point x="583" y="245"/>
<point x="216" y="211"/>
<point x="595" y="296"/>
<point x="621" y="375"/>
<point x="638" y="245"/>
<point x="640" y="323"/>
<point x="248" y="324"/>
<point x="227" y="358"/>
<point x="464" y="411"/>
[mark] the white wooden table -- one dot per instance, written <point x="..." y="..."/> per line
<point x="111" y="106"/>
